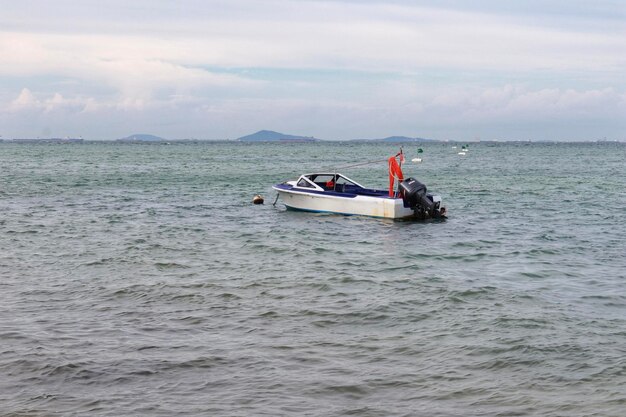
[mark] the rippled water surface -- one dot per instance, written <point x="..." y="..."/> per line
<point x="140" y="280"/>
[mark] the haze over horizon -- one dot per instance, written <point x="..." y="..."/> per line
<point x="332" y="69"/>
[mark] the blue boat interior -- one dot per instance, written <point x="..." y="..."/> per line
<point x="336" y="185"/>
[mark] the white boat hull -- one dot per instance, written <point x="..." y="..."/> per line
<point x="391" y="208"/>
<point x="336" y="193"/>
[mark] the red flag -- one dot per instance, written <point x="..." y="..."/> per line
<point x="394" y="171"/>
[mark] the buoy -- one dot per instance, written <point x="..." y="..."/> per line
<point x="461" y="153"/>
<point x="257" y="199"/>
<point x="420" y="150"/>
<point x="417" y="160"/>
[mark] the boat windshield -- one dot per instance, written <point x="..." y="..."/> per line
<point x="304" y="183"/>
<point x="331" y="181"/>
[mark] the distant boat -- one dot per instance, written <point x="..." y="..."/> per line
<point x="462" y="153"/>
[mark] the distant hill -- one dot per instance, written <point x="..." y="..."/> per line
<point x="141" y="137"/>
<point x="270" y="136"/>
<point x="397" y="139"/>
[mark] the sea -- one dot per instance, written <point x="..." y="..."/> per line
<point x="140" y="280"/>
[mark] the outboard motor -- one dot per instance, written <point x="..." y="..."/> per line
<point x="414" y="196"/>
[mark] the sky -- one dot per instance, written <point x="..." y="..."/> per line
<point x="333" y="69"/>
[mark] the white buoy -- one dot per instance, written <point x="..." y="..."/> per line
<point x="416" y="160"/>
<point x="461" y="153"/>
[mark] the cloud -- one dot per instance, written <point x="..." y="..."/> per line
<point x="311" y="34"/>
<point x="464" y="113"/>
<point x="134" y="67"/>
<point x="521" y="104"/>
<point x="24" y="101"/>
<point x="329" y="68"/>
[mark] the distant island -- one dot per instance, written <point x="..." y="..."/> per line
<point x="49" y="140"/>
<point x="270" y="136"/>
<point x="397" y="139"/>
<point x="142" y="137"/>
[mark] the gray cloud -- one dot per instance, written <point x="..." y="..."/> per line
<point x="334" y="69"/>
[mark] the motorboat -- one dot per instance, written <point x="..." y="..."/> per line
<point x="332" y="192"/>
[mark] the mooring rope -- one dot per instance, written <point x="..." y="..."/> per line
<point x="367" y="163"/>
<point x="359" y="164"/>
